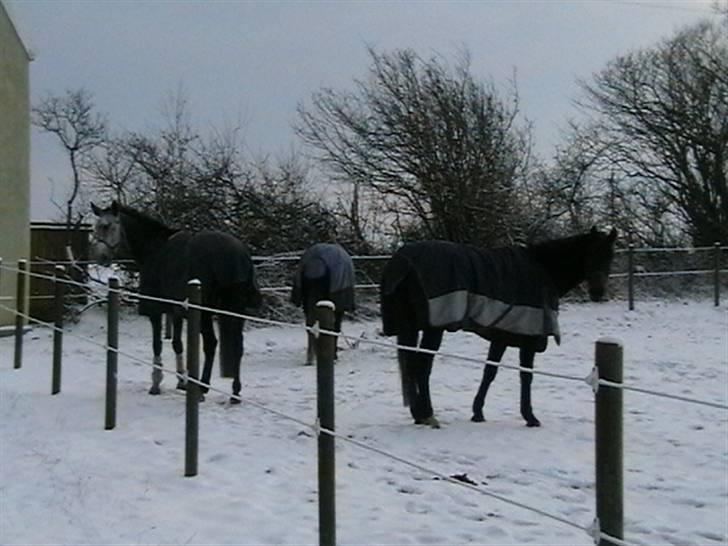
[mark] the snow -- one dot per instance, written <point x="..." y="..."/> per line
<point x="65" y="480"/>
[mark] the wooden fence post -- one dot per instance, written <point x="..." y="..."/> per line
<point x="325" y="350"/>
<point x="58" y="310"/>
<point x="716" y="273"/>
<point x="630" y="276"/>
<point x="20" y="308"/>
<point x="192" y="402"/>
<point x="112" y="354"/>
<point x="608" y="423"/>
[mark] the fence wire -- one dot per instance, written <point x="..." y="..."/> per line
<point x="356" y="340"/>
<point x="315" y="427"/>
<point x="343" y="437"/>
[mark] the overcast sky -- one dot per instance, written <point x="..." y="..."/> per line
<point x="255" y="61"/>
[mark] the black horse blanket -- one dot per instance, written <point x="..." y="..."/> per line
<point x="502" y="294"/>
<point x="220" y="261"/>
<point x="332" y="263"/>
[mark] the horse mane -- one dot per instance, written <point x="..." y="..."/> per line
<point x="563" y="258"/>
<point x="147" y="220"/>
<point x="557" y="246"/>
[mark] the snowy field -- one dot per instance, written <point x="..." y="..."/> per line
<point x="64" y="480"/>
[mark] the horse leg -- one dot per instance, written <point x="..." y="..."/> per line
<point x="422" y="409"/>
<point x="156" y="321"/>
<point x="178" y="350"/>
<point x="311" y="346"/>
<point x="407" y="338"/>
<point x="526" y="357"/>
<point x="495" y="353"/>
<point x="233" y="340"/>
<point x="338" y="317"/>
<point x="209" y="344"/>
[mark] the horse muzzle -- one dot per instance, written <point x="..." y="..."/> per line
<point x="100" y="254"/>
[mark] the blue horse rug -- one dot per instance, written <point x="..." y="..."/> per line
<point x="330" y="262"/>
<point x="501" y="294"/>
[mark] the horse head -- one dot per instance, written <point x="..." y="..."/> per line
<point x="598" y="261"/>
<point x="107" y="237"/>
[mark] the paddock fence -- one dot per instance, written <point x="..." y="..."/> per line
<point x="637" y="274"/>
<point x="605" y="380"/>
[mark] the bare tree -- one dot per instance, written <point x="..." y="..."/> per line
<point x="441" y="150"/>
<point x="195" y="181"/>
<point x="71" y="119"/>
<point x="664" y="112"/>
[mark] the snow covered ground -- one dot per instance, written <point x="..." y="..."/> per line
<point x="64" y="480"/>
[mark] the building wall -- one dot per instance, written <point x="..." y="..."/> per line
<point x="14" y="156"/>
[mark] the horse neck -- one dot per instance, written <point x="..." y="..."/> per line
<point x="564" y="261"/>
<point x="143" y="236"/>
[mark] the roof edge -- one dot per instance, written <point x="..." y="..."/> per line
<point x="13" y="23"/>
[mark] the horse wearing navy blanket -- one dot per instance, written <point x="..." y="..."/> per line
<point x="508" y="295"/>
<point x="325" y="272"/>
<point x="167" y="259"/>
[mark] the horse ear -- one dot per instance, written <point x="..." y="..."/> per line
<point x="96" y="210"/>
<point x="594" y="230"/>
<point x="613" y="235"/>
<point x="115" y="208"/>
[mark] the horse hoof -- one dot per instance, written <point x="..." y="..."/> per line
<point x="433" y="422"/>
<point x="533" y="423"/>
<point x="155" y="390"/>
<point x="181" y="385"/>
<point x="430" y="421"/>
<point x="234" y="400"/>
<point x="478" y="418"/>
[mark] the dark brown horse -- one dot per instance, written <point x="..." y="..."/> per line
<point x="507" y="295"/>
<point x="167" y="259"/>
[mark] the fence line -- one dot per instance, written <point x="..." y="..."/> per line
<point x="312" y="426"/>
<point x="375" y="257"/>
<point x="313" y="329"/>
<point x="344" y="438"/>
<point x="589" y="379"/>
<point x="43" y="276"/>
<point x="672" y="249"/>
<point x="666" y="273"/>
<point x="48" y="277"/>
<point x="318" y="429"/>
<point x="289" y="288"/>
<point x="681" y="398"/>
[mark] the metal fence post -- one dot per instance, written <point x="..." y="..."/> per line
<point x="325" y="351"/>
<point x="192" y="405"/>
<point x="608" y="435"/>
<point x="20" y="311"/>
<point x="630" y="276"/>
<point x="716" y="273"/>
<point x="58" y="309"/>
<point x="112" y="354"/>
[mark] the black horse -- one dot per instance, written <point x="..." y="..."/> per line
<point x="507" y="295"/>
<point x="325" y="272"/>
<point x="167" y="259"/>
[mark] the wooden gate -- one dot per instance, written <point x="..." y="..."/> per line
<point x="48" y="242"/>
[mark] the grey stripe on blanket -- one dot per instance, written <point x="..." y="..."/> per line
<point x="489" y="291"/>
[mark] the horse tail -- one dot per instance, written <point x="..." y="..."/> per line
<point x="402" y="306"/>
<point x="231" y="345"/>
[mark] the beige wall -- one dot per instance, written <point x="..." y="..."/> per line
<point x="14" y="156"/>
